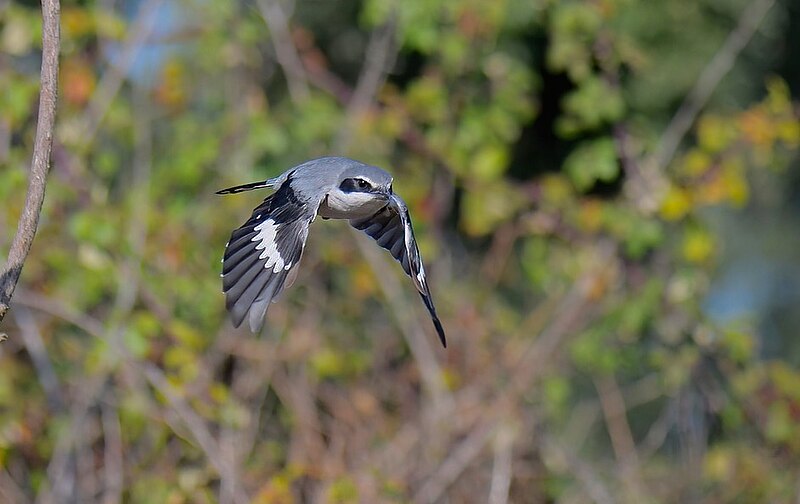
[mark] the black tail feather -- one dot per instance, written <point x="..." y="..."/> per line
<point x="436" y="323"/>
<point x="245" y="187"/>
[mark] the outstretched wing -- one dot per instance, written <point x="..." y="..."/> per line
<point x="391" y="229"/>
<point x="262" y="255"/>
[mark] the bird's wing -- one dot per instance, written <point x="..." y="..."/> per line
<point x="262" y="255"/>
<point x="391" y="229"/>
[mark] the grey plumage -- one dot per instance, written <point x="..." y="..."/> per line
<point x="262" y="256"/>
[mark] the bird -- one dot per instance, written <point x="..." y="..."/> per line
<point x="262" y="256"/>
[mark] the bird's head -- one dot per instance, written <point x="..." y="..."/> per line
<point x="359" y="191"/>
<point x="366" y="179"/>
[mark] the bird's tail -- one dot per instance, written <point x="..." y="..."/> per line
<point x="247" y="187"/>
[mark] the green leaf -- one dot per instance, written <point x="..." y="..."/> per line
<point x="592" y="161"/>
<point x="594" y="104"/>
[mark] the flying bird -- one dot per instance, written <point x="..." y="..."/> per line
<point x="262" y="256"/>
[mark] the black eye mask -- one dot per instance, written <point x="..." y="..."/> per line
<point x="355" y="185"/>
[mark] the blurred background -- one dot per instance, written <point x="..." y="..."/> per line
<point x="606" y="194"/>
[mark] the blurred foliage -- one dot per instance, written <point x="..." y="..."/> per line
<point x="569" y="271"/>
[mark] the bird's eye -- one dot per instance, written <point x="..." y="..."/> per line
<point x="362" y="184"/>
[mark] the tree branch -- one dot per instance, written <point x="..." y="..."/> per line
<point x="115" y="74"/>
<point x="34" y="344"/>
<point x="40" y="164"/>
<point x="615" y="412"/>
<point x="379" y="58"/>
<point x="501" y="468"/>
<point x="285" y="51"/>
<point x="196" y="425"/>
<point x="584" y="473"/>
<point x="113" y="455"/>
<point x="712" y="74"/>
<point x="460" y="457"/>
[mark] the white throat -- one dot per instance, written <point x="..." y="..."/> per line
<point x="350" y="205"/>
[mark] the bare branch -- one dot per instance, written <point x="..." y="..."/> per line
<point x="460" y="458"/>
<point x="63" y="456"/>
<point x="614" y="411"/>
<point x="412" y="137"/>
<point x="575" y="310"/>
<point x="553" y="320"/>
<point x="379" y="58"/>
<point x="285" y="50"/>
<point x="501" y="469"/>
<point x="584" y="473"/>
<point x="10" y="491"/>
<point x="712" y="74"/>
<point x="62" y="311"/>
<point x="114" y="76"/>
<point x="63" y="475"/>
<point x="658" y="431"/>
<point x="412" y="330"/>
<point x="40" y="164"/>
<point x="32" y="339"/>
<point x="112" y="454"/>
<point x="196" y="426"/>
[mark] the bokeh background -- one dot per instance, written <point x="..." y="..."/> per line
<point x="606" y="194"/>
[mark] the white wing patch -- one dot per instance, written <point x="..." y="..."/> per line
<point x="267" y="234"/>
<point x="408" y="237"/>
<point x="421" y="274"/>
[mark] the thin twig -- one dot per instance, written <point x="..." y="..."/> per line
<point x="712" y="74"/>
<point x="5" y="140"/>
<point x="572" y="313"/>
<point x="412" y="137"/>
<point x="460" y="458"/>
<point x="154" y="376"/>
<point x="501" y="468"/>
<point x="60" y="310"/>
<point x="10" y="491"/>
<point x="575" y="310"/>
<point x="85" y="467"/>
<point x="32" y="339"/>
<point x="112" y="454"/>
<point x="496" y="259"/>
<point x="278" y="23"/>
<point x="129" y="270"/>
<point x="114" y="76"/>
<point x="412" y="331"/>
<point x="615" y="413"/>
<point x="586" y="476"/>
<point x="256" y="383"/>
<point x="586" y="412"/>
<point x="40" y="164"/>
<point x="196" y="426"/>
<point x="294" y="391"/>
<point x="658" y="431"/>
<point x="62" y="471"/>
<point x="380" y="56"/>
